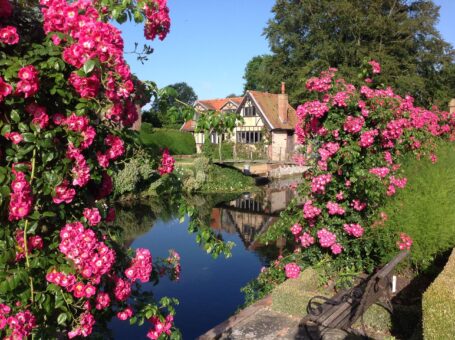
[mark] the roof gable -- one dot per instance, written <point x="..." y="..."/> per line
<point x="267" y="104"/>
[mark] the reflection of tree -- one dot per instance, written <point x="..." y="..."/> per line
<point x="135" y="220"/>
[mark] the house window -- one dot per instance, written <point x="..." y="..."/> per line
<point x="229" y="110"/>
<point x="249" y="137"/>
<point x="215" y="137"/>
<point x="249" y="111"/>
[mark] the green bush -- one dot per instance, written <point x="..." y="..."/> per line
<point x="178" y="142"/>
<point x="439" y="305"/>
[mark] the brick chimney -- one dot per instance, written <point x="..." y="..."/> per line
<point x="452" y="106"/>
<point x="283" y="104"/>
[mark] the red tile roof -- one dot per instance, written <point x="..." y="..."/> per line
<point x="188" y="126"/>
<point x="217" y="104"/>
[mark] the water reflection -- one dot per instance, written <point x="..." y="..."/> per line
<point x="208" y="290"/>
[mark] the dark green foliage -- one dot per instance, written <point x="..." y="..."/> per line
<point x="172" y="105"/>
<point x="311" y="35"/>
<point x="178" y="143"/>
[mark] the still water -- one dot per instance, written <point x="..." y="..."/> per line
<point x="208" y="289"/>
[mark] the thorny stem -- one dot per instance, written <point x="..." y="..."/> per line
<point x="27" y="261"/>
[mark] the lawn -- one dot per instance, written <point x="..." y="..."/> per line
<point x="425" y="209"/>
<point x="178" y="142"/>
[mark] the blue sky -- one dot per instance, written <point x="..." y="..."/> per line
<point x="212" y="40"/>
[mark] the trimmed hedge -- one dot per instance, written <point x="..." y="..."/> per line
<point x="178" y="142"/>
<point x="439" y="304"/>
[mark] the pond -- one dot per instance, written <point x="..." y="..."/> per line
<point x="208" y="289"/>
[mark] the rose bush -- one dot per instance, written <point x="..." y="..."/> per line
<point x="67" y="97"/>
<point x="353" y="139"/>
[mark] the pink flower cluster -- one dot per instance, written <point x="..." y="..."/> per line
<point x="93" y="39"/>
<point x="102" y="301"/>
<point x="14" y="137"/>
<point x="174" y="261"/>
<point x="20" y="324"/>
<point x="141" y="266"/>
<point x="335" y="208"/>
<point x="367" y="138"/>
<point x="116" y="150"/>
<point x="125" y="314"/>
<point x="80" y="170"/>
<point x="8" y="35"/>
<point x="380" y="172"/>
<point x="306" y="240"/>
<point x="85" y="326"/>
<point x="167" y="163"/>
<point x="21" y="199"/>
<point x="40" y="117"/>
<point x="353" y="229"/>
<point x="92" y="258"/>
<point x="327" y="151"/>
<point x="160" y="327"/>
<point x="122" y="289"/>
<point x="93" y="216"/>
<point x="63" y="193"/>
<point x="405" y="242"/>
<point x="376" y="66"/>
<point x="353" y="124"/>
<point x="158" y="22"/>
<point x="318" y="183"/>
<point x="328" y="239"/>
<point x="5" y="89"/>
<point x="314" y="108"/>
<point x="33" y="242"/>
<point x="29" y="83"/>
<point x="296" y="229"/>
<point x="70" y="283"/>
<point x="323" y="83"/>
<point x="358" y="205"/>
<point x="87" y="87"/>
<point x="292" y="270"/>
<point x="310" y="211"/>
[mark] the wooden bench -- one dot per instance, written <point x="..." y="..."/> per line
<point x="347" y="306"/>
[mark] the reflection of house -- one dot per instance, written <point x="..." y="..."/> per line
<point x="268" y="122"/>
<point x="250" y="215"/>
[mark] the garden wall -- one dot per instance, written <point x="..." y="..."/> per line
<point x="439" y="304"/>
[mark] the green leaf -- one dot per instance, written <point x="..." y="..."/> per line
<point x="89" y="66"/>
<point x="15" y="116"/>
<point x="62" y="318"/>
<point x="28" y="137"/>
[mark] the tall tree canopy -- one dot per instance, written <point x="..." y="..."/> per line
<point x="307" y="36"/>
<point x="170" y="106"/>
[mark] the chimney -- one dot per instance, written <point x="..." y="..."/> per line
<point x="452" y="106"/>
<point x="283" y="104"/>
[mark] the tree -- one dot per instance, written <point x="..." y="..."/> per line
<point x="259" y="75"/>
<point x="171" y="105"/>
<point x="308" y="36"/>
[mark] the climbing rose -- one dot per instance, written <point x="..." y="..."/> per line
<point x="376" y="66"/>
<point x="8" y="35"/>
<point x="405" y="242"/>
<point x="167" y="163"/>
<point x="93" y="216"/>
<point x="292" y="270"/>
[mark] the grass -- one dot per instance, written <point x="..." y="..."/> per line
<point x="178" y="142"/>
<point x="223" y="179"/>
<point x="425" y="209"/>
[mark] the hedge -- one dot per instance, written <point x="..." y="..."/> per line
<point x="178" y="142"/>
<point x="439" y="304"/>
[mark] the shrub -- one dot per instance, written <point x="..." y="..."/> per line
<point x="353" y="139"/>
<point x="178" y="142"/>
<point x="438" y="305"/>
<point x="67" y="96"/>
